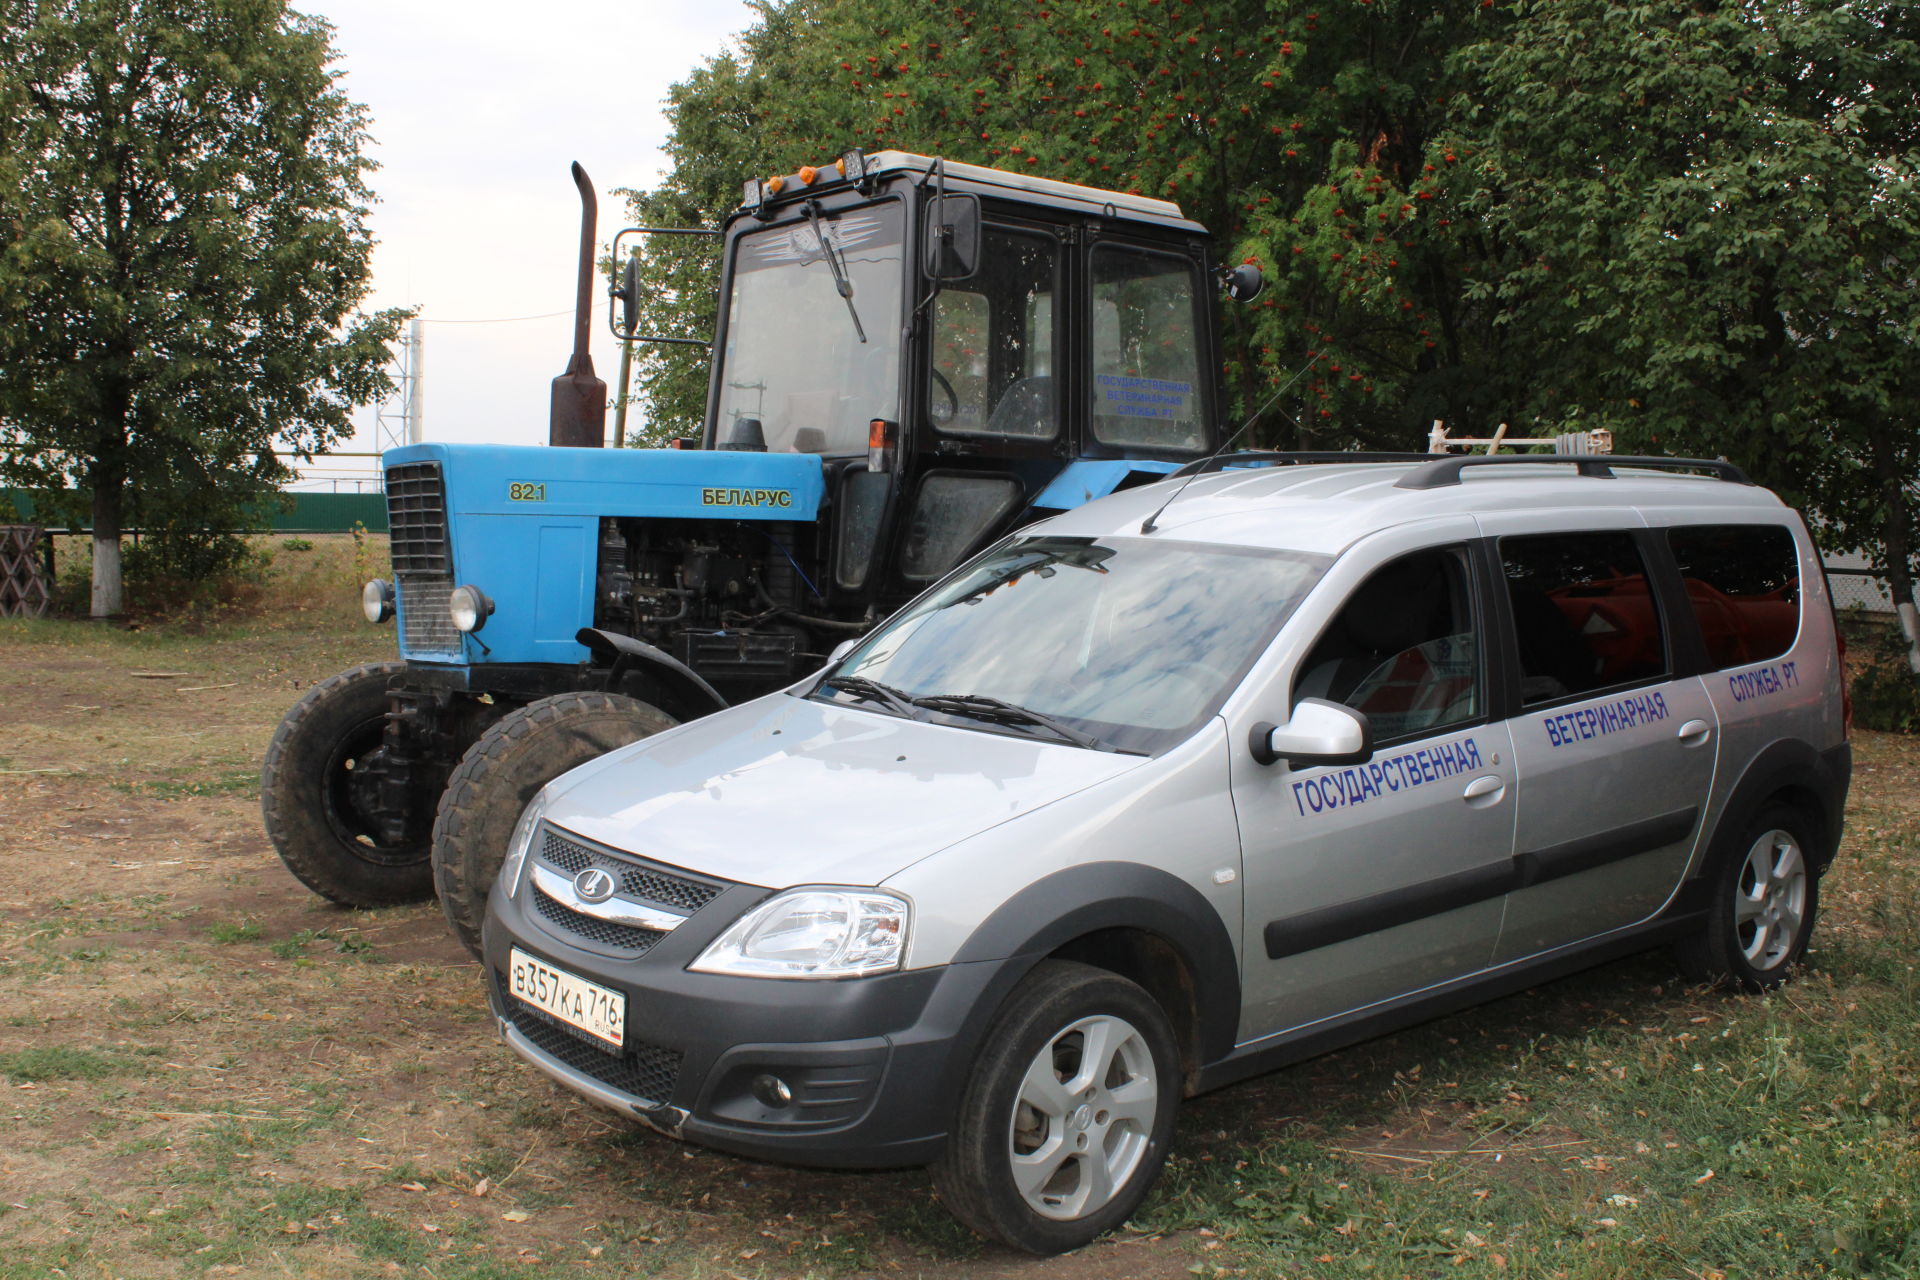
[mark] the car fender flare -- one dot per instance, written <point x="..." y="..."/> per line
<point x="1790" y="764"/>
<point x="1070" y="904"/>
<point x="692" y="694"/>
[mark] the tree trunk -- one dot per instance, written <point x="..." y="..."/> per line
<point x="109" y="600"/>
<point x="1896" y="535"/>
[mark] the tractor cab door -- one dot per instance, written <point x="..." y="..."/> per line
<point x="1151" y="392"/>
<point x="995" y="402"/>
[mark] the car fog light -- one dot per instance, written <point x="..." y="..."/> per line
<point x="376" y="600"/>
<point x="469" y="608"/>
<point x="772" y="1090"/>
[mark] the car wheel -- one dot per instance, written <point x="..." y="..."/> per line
<point x="1066" y="1117"/>
<point x="1765" y="898"/>
<point x="320" y="796"/>
<point x="500" y="774"/>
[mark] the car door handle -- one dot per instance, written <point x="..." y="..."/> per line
<point x="1485" y="791"/>
<point x="1695" y="732"/>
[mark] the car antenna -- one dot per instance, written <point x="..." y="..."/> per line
<point x="1313" y="358"/>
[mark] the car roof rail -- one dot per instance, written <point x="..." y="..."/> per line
<point x="1441" y="472"/>
<point x="1260" y="457"/>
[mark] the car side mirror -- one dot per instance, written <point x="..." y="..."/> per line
<point x="1318" y="732"/>
<point x="953" y="238"/>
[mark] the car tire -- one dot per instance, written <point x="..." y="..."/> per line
<point x="308" y="795"/>
<point x="1765" y="898"/>
<point x="1050" y="1149"/>
<point x="501" y="773"/>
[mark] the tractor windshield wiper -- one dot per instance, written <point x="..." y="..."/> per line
<point x="979" y="706"/>
<point x="873" y="691"/>
<point x="832" y="255"/>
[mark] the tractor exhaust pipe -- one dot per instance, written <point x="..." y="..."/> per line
<point x="579" y="414"/>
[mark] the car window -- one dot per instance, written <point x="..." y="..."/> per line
<point x="1133" y="640"/>
<point x="1743" y="584"/>
<point x="1404" y="650"/>
<point x="1584" y="616"/>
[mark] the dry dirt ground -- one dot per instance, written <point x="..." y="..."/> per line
<point x="206" y="1070"/>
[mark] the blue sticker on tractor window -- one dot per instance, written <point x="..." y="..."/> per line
<point x="1763" y="681"/>
<point x="1128" y="397"/>
<point x="1345" y="788"/>
<point x="1608" y="717"/>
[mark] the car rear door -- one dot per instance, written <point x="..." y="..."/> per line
<point x="1615" y="754"/>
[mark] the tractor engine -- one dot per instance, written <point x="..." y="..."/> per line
<point x="728" y="599"/>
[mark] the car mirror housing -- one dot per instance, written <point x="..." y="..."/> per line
<point x="1318" y="732"/>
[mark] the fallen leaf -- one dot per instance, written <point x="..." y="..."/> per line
<point x="412" y="1186"/>
<point x="515" y="1215"/>
<point x="483" y="1186"/>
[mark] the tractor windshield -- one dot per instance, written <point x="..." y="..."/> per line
<point x="813" y="330"/>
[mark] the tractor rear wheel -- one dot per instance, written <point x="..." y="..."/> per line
<point x="502" y="772"/>
<point x="319" y="795"/>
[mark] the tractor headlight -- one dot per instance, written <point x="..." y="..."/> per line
<point x="813" y="933"/>
<point x="520" y="842"/>
<point x="376" y="600"/>
<point x="469" y="608"/>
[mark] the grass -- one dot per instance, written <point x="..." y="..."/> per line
<point x="281" y="1107"/>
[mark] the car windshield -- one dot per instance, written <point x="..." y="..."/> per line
<point x="814" y="365"/>
<point x="1133" y="642"/>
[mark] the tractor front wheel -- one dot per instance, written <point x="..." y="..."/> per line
<point x="319" y="793"/>
<point x="502" y="772"/>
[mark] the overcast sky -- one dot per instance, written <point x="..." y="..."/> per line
<point x="478" y="107"/>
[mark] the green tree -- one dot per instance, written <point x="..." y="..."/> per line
<point x="182" y="246"/>
<point x="1714" y="231"/>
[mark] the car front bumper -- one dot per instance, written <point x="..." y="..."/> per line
<point x="874" y="1066"/>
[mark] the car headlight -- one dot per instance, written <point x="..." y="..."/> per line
<point x="468" y="608"/>
<point x="376" y="600"/>
<point x="520" y="842"/>
<point x="813" y="933"/>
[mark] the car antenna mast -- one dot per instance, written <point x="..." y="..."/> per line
<point x="1313" y="358"/>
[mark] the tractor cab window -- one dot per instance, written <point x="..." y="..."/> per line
<point x="1147" y="381"/>
<point x="814" y="367"/>
<point x="994" y="339"/>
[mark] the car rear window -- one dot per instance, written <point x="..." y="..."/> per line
<point x="1584" y="614"/>
<point x="1743" y="582"/>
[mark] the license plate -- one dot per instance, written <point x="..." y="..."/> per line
<point x="597" y="1011"/>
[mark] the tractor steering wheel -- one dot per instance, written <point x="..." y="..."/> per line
<point x="951" y="410"/>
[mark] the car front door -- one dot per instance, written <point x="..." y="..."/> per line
<point x="1616" y="754"/>
<point x="1368" y="881"/>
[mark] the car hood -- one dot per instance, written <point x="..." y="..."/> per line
<point x="784" y="791"/>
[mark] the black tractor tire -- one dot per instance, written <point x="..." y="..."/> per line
<point x="306" y="795"/>
<point x="1765" y="899"/>
<point x="501" y="773"/>
<point x="979" y="1172"/>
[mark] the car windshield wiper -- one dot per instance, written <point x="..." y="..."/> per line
<point x="979" y="706"/>
<point x="832" y="255"/>
<point x="873" y="691"/>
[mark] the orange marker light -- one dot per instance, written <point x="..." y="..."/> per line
<point x="775" y="183"/>
<point x="880" y="445"/>
<point x="807" y="174"/>
<point x="841" y="165"/>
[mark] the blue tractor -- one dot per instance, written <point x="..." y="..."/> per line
<point x="913" y="357"/>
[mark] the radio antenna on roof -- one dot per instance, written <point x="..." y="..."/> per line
<point x="1146" y="526"/>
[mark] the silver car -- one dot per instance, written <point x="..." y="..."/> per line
<point x="1184" y="785"/>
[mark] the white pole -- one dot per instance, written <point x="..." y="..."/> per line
<point x="416" y="384"/>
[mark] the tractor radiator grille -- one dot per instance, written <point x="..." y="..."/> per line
<point x="422" y="559"/>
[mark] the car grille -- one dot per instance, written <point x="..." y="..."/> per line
<point x="647" y="881"/>
<point x="644" y="1071"/>
<point x="608" y="934"/>
<point x="422" y="559"/>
